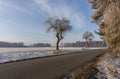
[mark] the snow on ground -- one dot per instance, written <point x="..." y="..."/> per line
<point x="109" y="68"/>
<point x="14" y="54"/>
<point x="26" y="49"/>
<point x="22" y="55"/>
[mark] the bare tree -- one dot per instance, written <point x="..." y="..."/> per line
<point x="88" y="36"/>
<point x="107" y="16"/>
<point x="59" y="26"/>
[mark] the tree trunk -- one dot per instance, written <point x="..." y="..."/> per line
<point x="57" y="44"/>
<point x="58" y="40"/>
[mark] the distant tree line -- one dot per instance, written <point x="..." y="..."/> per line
<point x="83" y="44"/>
<point x="8" y="44"/>
<point x="41" y="45"/>
<point x="21" y="44"/>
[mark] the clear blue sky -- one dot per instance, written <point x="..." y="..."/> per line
<point x="23" y="20"/>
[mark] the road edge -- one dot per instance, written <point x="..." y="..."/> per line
<point x="74" y="71"/>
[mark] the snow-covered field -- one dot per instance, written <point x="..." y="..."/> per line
<point x="14" y="54"/>
<point x="27" y="49"/>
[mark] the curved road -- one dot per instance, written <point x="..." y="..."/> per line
<point x="45" y="68"/>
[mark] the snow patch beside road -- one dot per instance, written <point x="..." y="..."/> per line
<point x="15" y="56"/>
<point x="109" y="68"/>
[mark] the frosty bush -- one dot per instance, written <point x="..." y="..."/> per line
<point x="107" y="16"/>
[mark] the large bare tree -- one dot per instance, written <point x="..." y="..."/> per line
<point x="107" y="16"/>
<point x="88" y="36"/>
<point x="59" y="26"/>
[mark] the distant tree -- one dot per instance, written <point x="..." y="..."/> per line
<point x="88" y="36"/>
<point x="41" y="45"/>
<point x="9" y="44"/>
<point x="107" y="16"/>
<point x="21" y="44"/>
<point x="59" y="26"/>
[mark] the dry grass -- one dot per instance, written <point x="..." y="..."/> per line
<point x="87" y="72"/>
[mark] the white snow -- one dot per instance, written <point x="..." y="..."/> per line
<point x="26" y="49"/>
<point x="109" y="68"/>
<point x="14" y="56"/>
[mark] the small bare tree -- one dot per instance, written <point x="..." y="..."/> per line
<point x="59" y="26"/>
<point x="88" y="36"/>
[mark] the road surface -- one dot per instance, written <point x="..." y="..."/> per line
<point x="45" y="68"/>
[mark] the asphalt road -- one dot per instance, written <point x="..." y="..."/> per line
<point x="45" y="68"/>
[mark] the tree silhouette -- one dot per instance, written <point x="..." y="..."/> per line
<point x="59" y="26"/>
